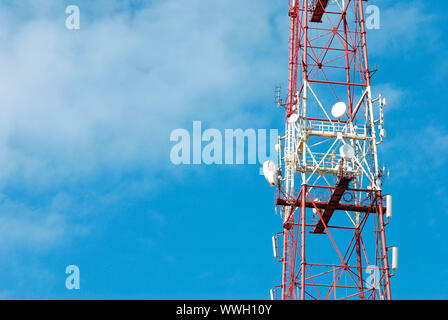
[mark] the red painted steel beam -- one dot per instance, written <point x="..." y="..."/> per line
<point x="338" y="82"/>
<point x="319" y="10"/>
<point x="323" y="205"/>
<point x="335" y="198"/>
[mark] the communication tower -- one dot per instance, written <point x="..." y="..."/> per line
<point x="328" y="177"/>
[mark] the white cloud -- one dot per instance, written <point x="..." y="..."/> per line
<point x="103" y="100"/>
<point x="36" y="229"/>
<point x="403" y="26"/>
<point x="418" y="153"/>
<point x="108" y="95"/>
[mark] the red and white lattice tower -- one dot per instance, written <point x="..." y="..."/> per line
<point x="329" y="183"/>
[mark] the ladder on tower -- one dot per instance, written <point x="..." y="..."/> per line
<point x="332" y="204"/>
<point x="319" y="10"/>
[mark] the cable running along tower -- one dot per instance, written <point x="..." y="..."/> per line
<point x="329" y="178"/>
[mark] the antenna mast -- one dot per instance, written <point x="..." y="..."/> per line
<point x="329" y="186"/>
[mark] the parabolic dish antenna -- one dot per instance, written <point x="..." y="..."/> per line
<point x="270" y="172"/>
<point x="339" y="110"/>
<point x="347" y="152"/>
<point x="293" y="118"/>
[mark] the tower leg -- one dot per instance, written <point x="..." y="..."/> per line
<point x="359" y="260"/>
<point x="285" y="261"/>
<point x="303" y="262"/>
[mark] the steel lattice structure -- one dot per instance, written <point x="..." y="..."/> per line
<point x="334" y="213"/>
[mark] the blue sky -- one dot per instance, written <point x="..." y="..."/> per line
<point x="86" y="176"/>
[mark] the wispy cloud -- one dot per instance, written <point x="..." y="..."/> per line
<point x="403" y="26"/>
<point x="107" y="96"/>
<point x="35" y="229"/>
<point x="79" y="106"/>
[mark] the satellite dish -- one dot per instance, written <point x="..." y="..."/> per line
<point x="347" y="152"/>
<point x="270" y="172"/>
<point x="383" y="133"/>
<point x="339" y="110"/>
<point x="293" y="118"/>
